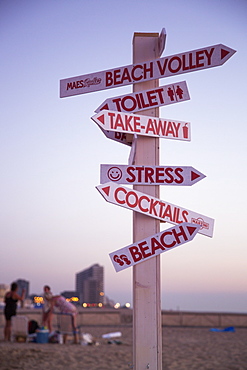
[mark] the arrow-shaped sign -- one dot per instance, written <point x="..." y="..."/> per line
<point x="154" y="207"/>
<point x="162" y="95"/>
<point x="153" y="246"/>
<point x="190" y="61"/>
<point x="162" y="41"/>
<point x="120" y="137"/>
<point x="150" y="175"/>
<point x="142" y="125"/>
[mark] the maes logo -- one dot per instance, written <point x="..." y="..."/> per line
<point x="83" y="83"/>
<point x="201" y="222"/>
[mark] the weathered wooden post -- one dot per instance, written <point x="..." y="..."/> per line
<point x="147" y="338"/>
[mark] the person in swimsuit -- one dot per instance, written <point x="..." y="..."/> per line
<point x="11" y="298"/>
<point x="66" y="307"/>
<point x="47" y="308"/>
<point x="58" y="301"/>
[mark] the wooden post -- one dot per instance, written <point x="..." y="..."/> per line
<point x="147" y="338"/>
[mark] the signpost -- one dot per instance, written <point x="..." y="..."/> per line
<point x="117" y="123"/>
<point x="147" y="335"/>
<point x="149" y="175"/>
<point x="153" y="245"/>
<point x="162" y="95"/>
<point x="154" y="207"/>
<point x="189" y="61"/>
<point x="142" y="125"/>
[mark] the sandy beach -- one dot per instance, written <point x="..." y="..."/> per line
<point x="183" y="348"/>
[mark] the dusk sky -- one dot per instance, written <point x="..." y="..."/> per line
<point x="53" y="221"/>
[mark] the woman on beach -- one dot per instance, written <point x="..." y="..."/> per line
<point x="47" y="308"/>
<point x="11" y="298"/>
<point x="66" y="307"/>
<point x="62" y="305"/>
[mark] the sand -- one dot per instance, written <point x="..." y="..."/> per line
<point x="183" y="348"/>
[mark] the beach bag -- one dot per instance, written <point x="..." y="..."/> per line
<point x="32" y="326"/>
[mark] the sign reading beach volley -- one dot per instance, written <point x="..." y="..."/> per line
<point x="153" y="246"/>
<point x="149" y="175"/>
<point x="163" y="95"/>
<point x="194" y="60"/>
<point x="142" y="125"/>
<point x="150" y="206"/>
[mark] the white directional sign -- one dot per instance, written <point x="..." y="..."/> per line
<point x="162" y="95"/>
<point x="150" y="206"/>
<point x="149" y="175"/>
<point x="162" y="41"/>
<point x="132" y="155"/>
<point x="142" y="125"/>
<point x="154" y="245"/>
<point x="120" y="137"/>
<point x="189" y="61"/>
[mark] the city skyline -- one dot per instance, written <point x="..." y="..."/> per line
<point x="53" y="219"/>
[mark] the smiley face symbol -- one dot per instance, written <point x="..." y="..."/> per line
<point x="114" y="174"/>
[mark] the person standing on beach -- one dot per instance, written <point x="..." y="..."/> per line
<point x="11" y="298"/>
<point x="58" y="301"/>
<point x="66" y="307"/>
<point x="47" y="308"/>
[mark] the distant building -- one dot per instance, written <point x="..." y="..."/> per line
<point x="108" y="302"/>
<point x="72" y="296"/>
<point x="3" y="290"/>
<point x="69" y="294"/>
<point x="90" y="285"/>
<point x="23" y="284"/>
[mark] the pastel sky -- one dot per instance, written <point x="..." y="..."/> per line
<point x="53" y="222"/>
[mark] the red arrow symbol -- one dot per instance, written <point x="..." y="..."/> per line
<point x="106" y="190"/>
<point x="102" y="119"/>
<point x="224" y="53"/>
<point x="194" y="175"/>
<point x="191" y="229"/>
<point x="105" y="107"/>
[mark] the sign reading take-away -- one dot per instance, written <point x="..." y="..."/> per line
<point x="154" y="245"/>
<point x="190" y="61"/>
<point x="142" y="125"/>
<point x="151" y="206"/>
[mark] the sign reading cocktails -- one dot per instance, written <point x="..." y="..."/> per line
<point x="154" y="207"/>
